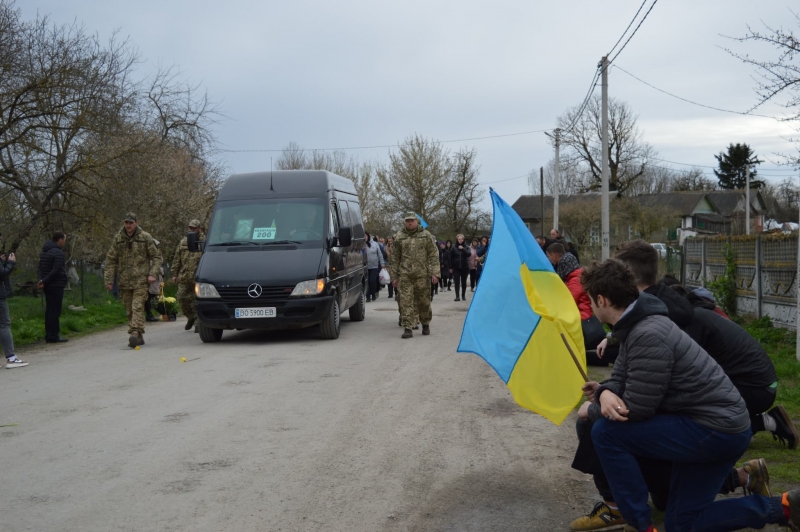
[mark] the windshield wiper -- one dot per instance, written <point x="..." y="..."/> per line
<point x="232" y="243"/>
<point x="281" y="242"/>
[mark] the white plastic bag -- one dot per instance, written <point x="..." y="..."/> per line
<point x="384" y="277"/>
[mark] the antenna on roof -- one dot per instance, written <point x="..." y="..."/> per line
<point x="270" y="175"/>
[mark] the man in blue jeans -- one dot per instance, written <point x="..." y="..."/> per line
<point x="667" y="399"/>
<point x="6" y="339"/>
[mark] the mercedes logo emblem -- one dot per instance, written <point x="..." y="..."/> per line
<point x="254" y="290"/>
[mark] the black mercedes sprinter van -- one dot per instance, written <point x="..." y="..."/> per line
<point x="283" y="250"/>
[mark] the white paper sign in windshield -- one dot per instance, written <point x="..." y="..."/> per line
<point x="264" y="233"/>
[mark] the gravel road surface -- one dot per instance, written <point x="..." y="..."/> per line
<point x="279" y="431"/>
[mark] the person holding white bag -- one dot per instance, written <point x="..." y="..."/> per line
<point x="374" y="264"/>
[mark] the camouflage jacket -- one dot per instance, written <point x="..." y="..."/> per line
<point x="414" y="255"/>
<point x="184" y="264"/>
<point x="132" y="259"/>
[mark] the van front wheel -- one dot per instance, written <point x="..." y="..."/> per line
<point x="209" y="335"/>
<point x="329" y="329"/>
<point x="359" y="309"/>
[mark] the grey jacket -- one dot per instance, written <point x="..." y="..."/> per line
<point x="374" y="256"/>
<point x="660" y="370"/>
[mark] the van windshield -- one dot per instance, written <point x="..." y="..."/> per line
<point x="263" y="221"/>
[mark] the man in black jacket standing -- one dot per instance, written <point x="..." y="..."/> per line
<point x="53" y="280"/>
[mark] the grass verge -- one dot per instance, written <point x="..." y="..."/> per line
<point x="780" y="344"/>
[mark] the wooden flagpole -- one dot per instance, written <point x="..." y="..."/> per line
<point x="575" y="359"/>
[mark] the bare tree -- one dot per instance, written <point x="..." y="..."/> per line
<point x="693" y="179"/>
<point x="417" y="178"/>
<point x="465" y="192"/>
<point x="293" y="157"/>
<point x="628" y="156"/>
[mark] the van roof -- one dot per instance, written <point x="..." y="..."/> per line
<point x="284" y="182"/>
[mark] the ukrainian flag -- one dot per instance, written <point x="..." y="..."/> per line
<point x="517" y="317"/>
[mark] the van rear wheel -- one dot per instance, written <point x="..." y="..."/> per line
<point x="359" y="309"/>
<point x="329" y="328"/>
<point x="209" y="335"/>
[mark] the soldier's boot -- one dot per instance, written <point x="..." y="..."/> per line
<point x="407" y="334"/>
<point x="399" y="322"/>
<point x="426" y="330"/>
<point x="189" y="324"/>
<point x="133" y="340"/>
<point x="416" y="327"/>
<point x="140" y="337"/>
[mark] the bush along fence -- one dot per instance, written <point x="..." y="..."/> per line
<point x="754" y="275"/>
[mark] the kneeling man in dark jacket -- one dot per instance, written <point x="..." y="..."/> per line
<point x="667" y="399"/>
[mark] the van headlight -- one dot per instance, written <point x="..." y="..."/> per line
<point x="309" y="288"/>
<point x="205" y="291"/>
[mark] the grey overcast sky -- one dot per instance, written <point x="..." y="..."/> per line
<point x="363" y="72"/>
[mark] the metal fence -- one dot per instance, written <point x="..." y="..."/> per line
<point x="766" y="272"/>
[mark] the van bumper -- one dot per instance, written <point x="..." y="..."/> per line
<point x="290" y="314"/>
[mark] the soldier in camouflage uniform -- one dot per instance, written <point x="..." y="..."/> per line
<point x="414" y="265"/>
<point x="184" y="268"/>
<point x="135" y="260"/>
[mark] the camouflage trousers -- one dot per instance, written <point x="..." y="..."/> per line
<point x="185" y="297"/>
<point x="414" y="300"/>
<point x="134" y="299"/>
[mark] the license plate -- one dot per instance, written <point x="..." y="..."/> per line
<point x="264" y="312"/>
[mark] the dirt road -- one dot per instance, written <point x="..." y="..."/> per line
<point x="267" y="431"/>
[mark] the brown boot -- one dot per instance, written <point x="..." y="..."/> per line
<point x="407" y="334"/>
<point x="133" y="340"/>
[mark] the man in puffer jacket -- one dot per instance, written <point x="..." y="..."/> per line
<point x="668" y="400"/>
<point x="53" y="281"/>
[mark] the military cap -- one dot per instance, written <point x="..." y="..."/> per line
<point x="129" y="217"/>
<point x="194" y="223"/>
<point x="410" y="216"/>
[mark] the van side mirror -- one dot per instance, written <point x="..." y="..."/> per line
<point x="345" y="236"/>
<point x="193" y="241"/>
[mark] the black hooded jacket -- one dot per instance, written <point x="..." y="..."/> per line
<point x="52" y="269"/>
<point x="739" y="354"/>
<point x="459" y="258"/>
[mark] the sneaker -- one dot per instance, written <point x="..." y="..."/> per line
<point x="133" y="340"/>
<point x="18" y="363"/>
<point x="407" y="334"/>
<point x="758" y="484"/>
<point x="426" y="330"/>
<point x="791" y="499"/>
<point x="189" y="324"/>
<point x="600" y="518"/>
<point x="785" y="432"/>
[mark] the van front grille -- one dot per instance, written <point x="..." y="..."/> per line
<point x="270" y="296"/>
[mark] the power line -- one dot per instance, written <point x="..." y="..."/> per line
<point x="507" y="179"/>
<point x="626" y="29"/>
<point x="389" y="145"/>
<point x="690" y="101"/>
<point x="634" y="31"/>
<point x="582" y="106"/>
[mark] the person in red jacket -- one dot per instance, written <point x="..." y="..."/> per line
<point x="568" y="268"/>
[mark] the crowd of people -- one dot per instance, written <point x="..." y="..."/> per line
<point x="687" y="390"/>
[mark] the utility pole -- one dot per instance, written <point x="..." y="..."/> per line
<point x="541" y="193"/>
<point x="604" y="230"/>
<point x="556" y="136"/>
<point x="747" y="201"/>
<point x="556" y="177"/>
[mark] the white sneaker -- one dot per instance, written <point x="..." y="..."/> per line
<point x="18" y="363"/>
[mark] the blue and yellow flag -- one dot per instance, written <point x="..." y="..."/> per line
<point x="519" y="311"/>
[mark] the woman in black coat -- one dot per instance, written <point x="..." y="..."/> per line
<point x="459" y="266"/>
<point x="444" y="264"/>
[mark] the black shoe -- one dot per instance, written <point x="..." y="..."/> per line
<point x="426" y="330"/>
<point x="150" y="318"/>
<point x="448" y="289"/>
<point x="416" y="327"/>
<point x="58" y="340"/>
<point x="785" y="431"/>
<point x="407" y="334"/>
<point x="189" y="324"/>
<point x="457" y="299"/>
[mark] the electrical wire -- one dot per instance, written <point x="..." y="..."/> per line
<point x="390" y="145"/>
<point x="626" y="29"/>
<point x="690" y="101"/>
<point x="582" y="106"/>
<point x="634" y="32"/>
